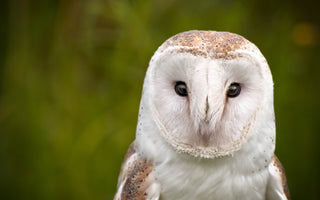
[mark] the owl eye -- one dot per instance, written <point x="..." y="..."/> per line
<point x="181" y="88"/>
<point x="234" y="90"/>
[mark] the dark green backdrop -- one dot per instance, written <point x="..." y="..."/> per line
<point x="71" y="74"/>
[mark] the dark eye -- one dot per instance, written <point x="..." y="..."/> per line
<point x="234" y="90"/>
<point x="181" y="88"/>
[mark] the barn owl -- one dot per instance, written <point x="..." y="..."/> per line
<point x="206" y="125"/>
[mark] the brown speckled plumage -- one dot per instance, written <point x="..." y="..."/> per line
<point x="137" y="182"/>
<point x="208" y="43"/>
<point x="124" y="165"/>
<point x="135" y="177"/>
<point x="276" y="162"/>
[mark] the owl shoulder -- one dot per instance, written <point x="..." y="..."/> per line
<point x="277" y="184"/>
<point x="136" y="181"/>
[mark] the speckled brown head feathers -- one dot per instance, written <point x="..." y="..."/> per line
<point x="208" y="43"/>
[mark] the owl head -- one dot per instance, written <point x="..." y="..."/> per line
<point x="207" y="93"/>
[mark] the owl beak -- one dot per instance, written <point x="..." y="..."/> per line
<point x="204" y="131"/>
<point x="206" y="119"/>
<point x="211" y="117"/>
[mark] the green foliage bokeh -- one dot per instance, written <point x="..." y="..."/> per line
<point x="71" y="74"/>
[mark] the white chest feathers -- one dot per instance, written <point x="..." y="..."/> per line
<point x="185" y="180"/>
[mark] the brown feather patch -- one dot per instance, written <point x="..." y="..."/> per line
<point x="137" y="181"/>
<point x="135" y="178"/>
<point x="276" y="162"/>
<point x="123" y="172"/>
<point x="208" y="43"/>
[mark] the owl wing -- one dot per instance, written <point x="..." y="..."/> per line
<point x="136" y="181"/>
<point x="277" y="188"/>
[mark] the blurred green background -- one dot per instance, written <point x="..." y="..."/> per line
<point x="71" y="74"/>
